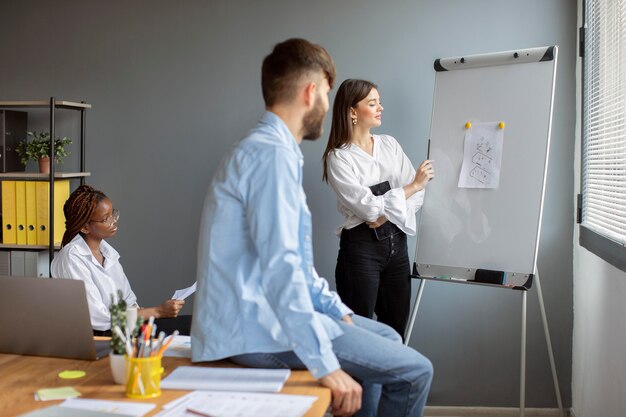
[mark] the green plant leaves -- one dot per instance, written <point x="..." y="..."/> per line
<point x="39" y="147"/>
<point x="118" y="317"/>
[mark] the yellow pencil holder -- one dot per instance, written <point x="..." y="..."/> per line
<point x="143" y="377"/>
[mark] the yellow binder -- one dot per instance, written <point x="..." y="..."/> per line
<point x="61" y="194"/>
<point x="43" y="212"/>
<point x="31" y="213"/>
<point x="20" y="211"/>
<point x="9" y="234"/>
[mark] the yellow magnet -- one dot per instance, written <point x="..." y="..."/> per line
<point x="468" y="125"/>
<point x="501" y="125"/>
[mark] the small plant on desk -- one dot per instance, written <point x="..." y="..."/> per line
<point x="118" y="318"/>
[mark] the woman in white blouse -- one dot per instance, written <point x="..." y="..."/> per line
<point x="85" y="255"/>
<point x="378" y="192"/>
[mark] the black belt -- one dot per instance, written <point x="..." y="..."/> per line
<point x="382" y="232"/>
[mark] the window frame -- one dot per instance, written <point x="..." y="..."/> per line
<point x="609" y="250"/>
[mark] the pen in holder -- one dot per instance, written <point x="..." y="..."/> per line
<point x="143" y="361"/>
<point x="143" y="377"/>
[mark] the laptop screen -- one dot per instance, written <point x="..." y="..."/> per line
<point x="45" y="317"/>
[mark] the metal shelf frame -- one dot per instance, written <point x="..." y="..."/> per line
<point x="52" y="105"/>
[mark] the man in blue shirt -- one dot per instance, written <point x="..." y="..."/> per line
<point x="259" y="300"/>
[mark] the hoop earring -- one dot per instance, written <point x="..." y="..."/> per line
<point x="354" y="121"/>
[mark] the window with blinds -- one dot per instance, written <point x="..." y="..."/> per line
<point x="604" y="124"/>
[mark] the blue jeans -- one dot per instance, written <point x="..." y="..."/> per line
<point x="395" y="378"/>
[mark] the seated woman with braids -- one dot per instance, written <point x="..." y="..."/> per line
<point x="85" y="255"/>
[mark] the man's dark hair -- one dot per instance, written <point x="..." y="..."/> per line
<point x="284" y="68"/>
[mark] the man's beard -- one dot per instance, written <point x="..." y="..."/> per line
<point x="313" y="121"/>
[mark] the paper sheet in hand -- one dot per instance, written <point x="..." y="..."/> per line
<point x="240" y="404"/>
<point x="226" y="379"/>
<point x="184" y="293"/>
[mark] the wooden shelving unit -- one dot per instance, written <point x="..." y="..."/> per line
<point x="38" y="176"/>
<point x="59" y="104"/>
<point x="27" y="247"/>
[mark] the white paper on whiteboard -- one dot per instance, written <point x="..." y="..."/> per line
<point x="482" y="156"/>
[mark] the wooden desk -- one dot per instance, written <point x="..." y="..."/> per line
<point x="21" y="376"/>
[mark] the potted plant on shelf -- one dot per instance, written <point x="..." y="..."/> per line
<point x="38" y="149"/>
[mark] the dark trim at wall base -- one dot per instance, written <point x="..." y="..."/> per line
<point x="609" y="250"/>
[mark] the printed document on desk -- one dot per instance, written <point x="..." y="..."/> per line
<point x="179" y="348"/>
<point x="240" y="404"/>
<point x="226" y="379"/>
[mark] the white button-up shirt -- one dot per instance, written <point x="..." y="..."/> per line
<point x="351" y="171"/>
<point x="75" y="261"/>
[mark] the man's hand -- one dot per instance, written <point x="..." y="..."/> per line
<point x="346" y="393"/>
<point x="347" y="318"/>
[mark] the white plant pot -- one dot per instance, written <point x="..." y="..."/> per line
<point x="118" y="368"/>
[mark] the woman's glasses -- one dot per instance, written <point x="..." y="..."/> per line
<point x="110" y="220"/>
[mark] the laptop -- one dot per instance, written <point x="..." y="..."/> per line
<point x="47" y="317"/>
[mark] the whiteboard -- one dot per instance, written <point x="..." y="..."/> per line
<point x="462" y="229"/>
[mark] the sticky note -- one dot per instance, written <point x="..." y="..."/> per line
<point x="72" y="374"/>
<point x="49" y="394"/>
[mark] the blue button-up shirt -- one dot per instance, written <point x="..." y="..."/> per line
<point x="257" y="288"/>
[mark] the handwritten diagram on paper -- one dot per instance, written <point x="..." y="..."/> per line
<point x="482" y="156"/>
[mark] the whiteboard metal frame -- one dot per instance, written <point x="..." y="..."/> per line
<point x="521" y="258"/>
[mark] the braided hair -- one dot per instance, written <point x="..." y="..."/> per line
<point x="78" y="210"/>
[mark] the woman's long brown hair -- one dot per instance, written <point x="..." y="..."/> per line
<point x="350" y="92"/>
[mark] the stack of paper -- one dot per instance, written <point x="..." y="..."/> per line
<point x="226" y="379"/>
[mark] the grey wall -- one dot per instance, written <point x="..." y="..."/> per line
<point x="174" y="84"/>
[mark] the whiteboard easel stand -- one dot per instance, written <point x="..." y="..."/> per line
<point x="516" y="87"/>
<point x="524" y="292"/>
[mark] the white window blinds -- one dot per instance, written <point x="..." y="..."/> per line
<point x="604" y="120"/>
